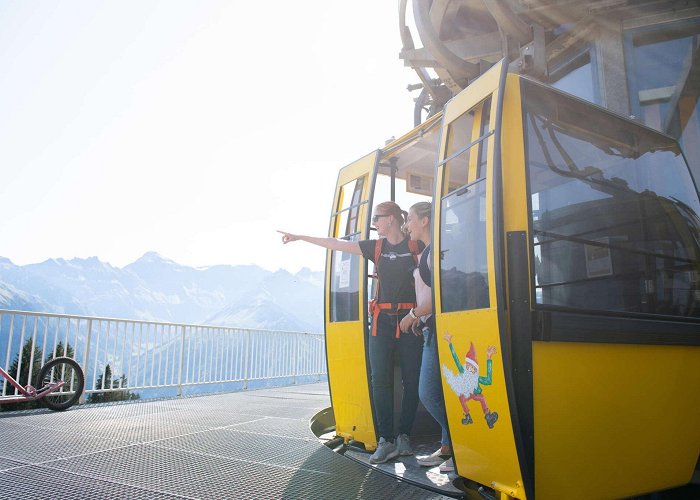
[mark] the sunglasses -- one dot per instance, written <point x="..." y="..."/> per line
<point x="375" y="218"/>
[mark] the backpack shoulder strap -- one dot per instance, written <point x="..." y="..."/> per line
<point x="378" y="251"/>
<point x="423" y="267"/>
<point x="377" y="255"/>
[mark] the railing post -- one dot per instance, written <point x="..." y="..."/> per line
<point x="182" y="358"/>
<point x="322" y="365"/>
<point x="32" y="376"/>
<point x="245" y="364"/>
<point x="86" y="357"/>
<point x="295" y="358"/>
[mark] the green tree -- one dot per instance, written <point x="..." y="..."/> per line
<point x="111" y="383"/>
<point x="60" y="351"/>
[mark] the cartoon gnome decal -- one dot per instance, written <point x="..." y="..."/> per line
<point x="467" y="383"/>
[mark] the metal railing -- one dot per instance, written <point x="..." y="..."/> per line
<point x="132" y="355"/>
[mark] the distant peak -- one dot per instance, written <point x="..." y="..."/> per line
<point x="91" y="260"/>
<point x="89" y="263"/>
<point x="305" y="271"/>
<point x="153" y="257"/>
<point x="282" y="272"/>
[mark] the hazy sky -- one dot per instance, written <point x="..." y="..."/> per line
<point x="193" y="128"/>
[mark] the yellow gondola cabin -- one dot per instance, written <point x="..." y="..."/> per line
<point x="566" y="290"/>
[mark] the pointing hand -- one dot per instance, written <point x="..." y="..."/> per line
<point x="287" y="237"/>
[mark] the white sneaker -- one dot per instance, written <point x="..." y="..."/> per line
<point x="403" y="444"/>
<point x="386" y="450"/>
<point x="431" y="460"/>
<point x="447" y="466"/>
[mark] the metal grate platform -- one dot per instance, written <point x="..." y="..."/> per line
<point x="409" y="470"/>
<point x="238" y="445"/>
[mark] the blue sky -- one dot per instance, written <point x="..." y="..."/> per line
<point x="193" y="128"/>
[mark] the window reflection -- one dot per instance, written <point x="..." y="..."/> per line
<point x="463" y="266"/>
<point x="469" y="164"/>
<point x="663" y="71"/>
<point x="576" y="77"/>
<point x="459" y="135"/>
<point x="614" y="212"/>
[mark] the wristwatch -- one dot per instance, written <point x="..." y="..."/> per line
<point x="412" y="314"/>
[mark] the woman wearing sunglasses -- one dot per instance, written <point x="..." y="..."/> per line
<point x="395" y="259"/>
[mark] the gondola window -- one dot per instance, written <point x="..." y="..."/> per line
<point x="464" y="280"/>
<point x="344" y="294"/>
<point x="615" y="213"/>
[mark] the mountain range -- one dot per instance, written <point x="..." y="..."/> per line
<point x="158" y="289"/>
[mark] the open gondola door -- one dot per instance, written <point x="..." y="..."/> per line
<point x="346" y="304"/>
<point x="468" y="289"/>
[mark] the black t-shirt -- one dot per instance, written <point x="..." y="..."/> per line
<point x="395" y="270"/>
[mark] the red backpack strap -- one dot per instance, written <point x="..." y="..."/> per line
<point x="378" y="252"/>
<point x="415" y="251"/>
<point x="374" y="303"/>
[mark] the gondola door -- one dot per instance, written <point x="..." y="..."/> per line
<point x="471" y="331"/>
<point x="346" y="305"/>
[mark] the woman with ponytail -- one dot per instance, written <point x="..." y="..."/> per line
<point x="395" y="259"/>
<point x="421" y="319"/>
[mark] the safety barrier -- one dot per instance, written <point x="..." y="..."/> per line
<point x="119" y="355"/>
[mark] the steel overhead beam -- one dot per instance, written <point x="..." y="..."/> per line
<point x="472" y="48"/>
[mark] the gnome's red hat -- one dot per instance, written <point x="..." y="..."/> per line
<point x="471" y="356"/>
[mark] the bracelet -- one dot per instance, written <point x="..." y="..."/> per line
<point x="412" y="314"/>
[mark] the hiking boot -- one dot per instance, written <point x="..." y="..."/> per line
<point x="431" y="460"/>
<point x="386" y="450"/>
<point x="447" y="466"/>
<point x="467" y="419"/>
<point x="491" y="418"/>
<point x="403" y="444"/>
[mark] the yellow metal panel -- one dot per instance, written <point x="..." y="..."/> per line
<point x="490" y="250"/>
<point x="357" y="169"/>
<point x="345" y="341"/>
<point x="515" y="211"/>
<point x="483" y="454"/>
<point x="614" y="420"/>
<point x="479" y="89"/>
<point x="348" y="382"/>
